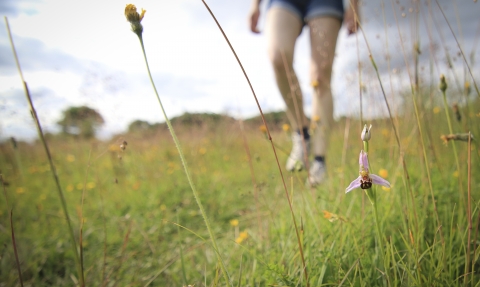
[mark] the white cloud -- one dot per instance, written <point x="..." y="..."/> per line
<point x="89" y="56"/>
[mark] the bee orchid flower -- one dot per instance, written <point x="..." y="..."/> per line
<point x="366" y="179"/>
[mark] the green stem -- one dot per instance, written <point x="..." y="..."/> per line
<point x="372" y="196"/>
<point x="50" y="161"/>
<point x="450" y="129"/>
<point x="185" y="167"/>
<point x="380" y="238"/>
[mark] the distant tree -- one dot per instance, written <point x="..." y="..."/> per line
<point x="139" y="126"/>
<point x="81" y="121"/>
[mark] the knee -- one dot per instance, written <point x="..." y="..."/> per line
<point x="280" y="59"/>
<point x="321" y="76"/>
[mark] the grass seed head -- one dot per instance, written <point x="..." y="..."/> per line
<point x="443" y="83"/>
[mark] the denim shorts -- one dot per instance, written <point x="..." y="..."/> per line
<point x="309" y="9"/>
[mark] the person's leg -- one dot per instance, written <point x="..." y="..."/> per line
<point x="282" y="29"/>
<point x="323" y="39"/>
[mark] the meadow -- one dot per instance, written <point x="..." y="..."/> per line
<point x="220" y="210"/>
<point x="141" y="226"/>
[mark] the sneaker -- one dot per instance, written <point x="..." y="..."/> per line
<point x="296" y="159"/>
<point x="317" y="173"/>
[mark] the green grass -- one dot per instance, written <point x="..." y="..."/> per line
<point x="135" y="198"/>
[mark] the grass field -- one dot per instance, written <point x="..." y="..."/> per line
<point x="142" y="226"/>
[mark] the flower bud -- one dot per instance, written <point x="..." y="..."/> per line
<point x="366" y="135"/>
<point x="443" y="84"/>
<point x="134" y="18"/>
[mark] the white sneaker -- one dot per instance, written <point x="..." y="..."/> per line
<point x="296" y="159"/>
<point x="317" y="174"/>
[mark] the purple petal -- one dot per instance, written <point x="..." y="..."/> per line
<point x="354" y="184"/>
<point x="380" y="181"/>
<point x="363" y="161"/>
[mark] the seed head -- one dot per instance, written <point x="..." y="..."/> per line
<point x="443" y="84"/>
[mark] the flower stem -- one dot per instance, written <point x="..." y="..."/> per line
<point x="185" y="167"/>
<point x="450" y="129"/>
<point x="50" y="162"/>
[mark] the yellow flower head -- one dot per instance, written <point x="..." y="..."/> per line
<point x="314" y="83"/>
<point x="385" y="188"/>
<point x="243" y="235"/>
<point x="436" y="110"/>
<point x="234" y="222"/>
<point x="332" y="217"/>
<point x="134" y="18"/>
<point x="316" y="118"/>
<point x="383" y="173"/>
<point x="70" y="158"/>
<point x="467" y="88"/>
<point x="286" y="127"/>
<point x="263" y="128"/>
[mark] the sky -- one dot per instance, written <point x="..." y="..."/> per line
<point x="76" y="53"/>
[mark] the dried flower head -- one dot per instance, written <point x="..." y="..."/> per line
<point x="123" y="146"/>
<point x="456" y="137"/>
<point x="134" y="18"/>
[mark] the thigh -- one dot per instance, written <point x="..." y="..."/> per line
<point x="323" y="40"/>
<point x="282" y="29"/>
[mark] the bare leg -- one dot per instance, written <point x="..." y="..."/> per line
<point x="323" y="39"/>
<point x="282" y="29"/>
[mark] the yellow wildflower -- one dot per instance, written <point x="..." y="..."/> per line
<point x="286" y="127"/>
<point x="315" y="83"/>
<point x="20" y="190"/>
<point x="70" y="158"/>
<point x="234" y="222"/>
<point x="332" y="217"/>
<point x="134" y="18"/>
<point x="114" y="147"/>
<point x="467" y="88"/>
<point x="202" y="150"/>
<point x="456" y="173"/>
<point x="436" y="110"/>
<point x="241" y="237"/>
<point x="386" y="133"/>
<point x="90" y="185"/>
<point x="383" y="173"/>
<point x="385" y="188"/>
<point x="316" y="118"/>
<point x="327" y="214"/>
<point x="263" y="128"/>
<point x="70" y="187"/>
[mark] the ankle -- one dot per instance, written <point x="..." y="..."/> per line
<point x="320" y="158"/>
<point x="304" y="132"/>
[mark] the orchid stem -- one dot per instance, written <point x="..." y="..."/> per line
<point x="372" y="196"/>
